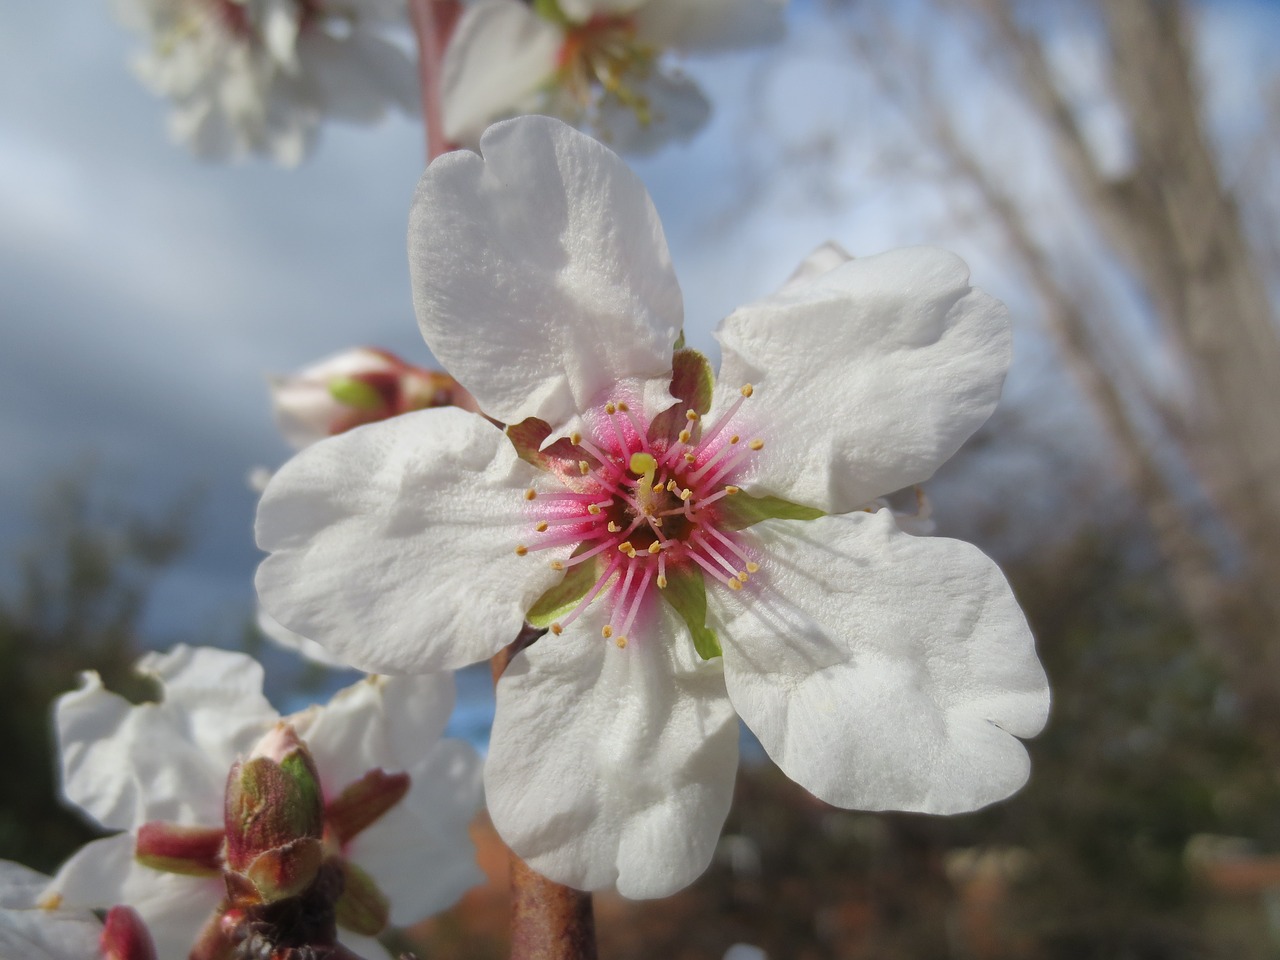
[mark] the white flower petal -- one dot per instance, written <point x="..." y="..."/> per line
<point x="125" y="765"/>
<point x="867" y="378"/>
<point x="710" y="25"/>
<point x="278" y="633"/>
<point x="882" y="670"/>
<point x="611" y="766"/>
<point x="104" y="873"/>
<point x="499" y="53"/>
<point x="20" y="886"/>
<point x="579" y="11"/>
<point x="42" y="935"/>
<point x="367" y="948"/>
<point x="419" y="852"/>
<point x="393" y="544"/>
<point x="677" y="109"/>
<point x="541" y="276"/>
<point x="389" y="722"/>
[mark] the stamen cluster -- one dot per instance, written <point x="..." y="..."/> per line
<point x="645" y="508"/>
<point x="605" y="50"/>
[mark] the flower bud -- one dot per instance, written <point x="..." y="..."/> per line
<point x="125" y="937"/>
<point x="354" y="387"/>
<point x="274" y="819"/>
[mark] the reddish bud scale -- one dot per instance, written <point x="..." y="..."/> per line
<point x="125" y="937"/>
<point x="194" y="851"/>
<point x="362" y="803"/>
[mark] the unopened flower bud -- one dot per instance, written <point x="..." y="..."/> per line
<point x="125" y="937"/>
<point x="275" y="818"/>
<point x="355" y="387"/>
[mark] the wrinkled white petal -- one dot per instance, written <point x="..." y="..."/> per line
<point x="611" y="766"/>
<point x="27" y="934"/>
<point x="278" y="633"/>
<point x="710" y="25"/>
<point x="388" y="722"/>
<point x="867" y="378"/>
<point x="677" y="110"/>
<point x="579" y="11"/>
<point x="104" y="874"/>
<point x="541" y="299"/>
<point x="499" y="53"/>
<point x="20" y="886"/>
<point x="124" y="765"/>
<point x="881" y="670"/>
<point x="420" y="853"/>
<point x="393" y="544"/>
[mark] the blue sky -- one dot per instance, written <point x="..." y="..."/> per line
<point x="145" y="296"/>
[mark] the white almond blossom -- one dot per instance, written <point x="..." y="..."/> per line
<point x="128" y="766"/>
<point x="259" y="76"/>
<point x="696" y="563"/>
<point x="596" y="63"/>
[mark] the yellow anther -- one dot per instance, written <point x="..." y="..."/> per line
<point x="521" y="550"/>
<point x="685" y="436"/>
<point x="747" y="389"/>
<point x="689" y="458"/>
<point x="742" y="576"/>
<point x="625" y="545"/>
<point x="623" y="406"/>
<point x="735" y="439"/>
<point x="593" y="509"/>
<point x="671" y="486"/>
<point x="531" y="494"/>
<point x="655" y="521"/>
<point x="685" y="495"/>
<point x="691" y="416"/>
<point x="557" y="565"/>
<point x="610" y="409"/>
<point x="50" y="901"/>
<point x="607" y="632"/>
<point x="735" y="585"/>
<point x="756" y="444"/>
<point x="753" y="567"/>
<point x="731" y="490"/>
<point x="583" y="467"/>
<point x="575" y="438"/>
<point x="655" y="547"/>
<point x="657" y="486"/>
<point x="614" y="526"/>
<point x="662" y="583"/>
<point x="621" y="642"/>
<point x="557" y="629"/>
<point x="631" y="554"/>
<point x="542" y="526"/>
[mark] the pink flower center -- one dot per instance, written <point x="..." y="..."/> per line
<point x="645" y="509"/>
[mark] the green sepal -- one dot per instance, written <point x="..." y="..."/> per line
<point x="362" y="908"/>
<point x="742" y="510"/>
<point x="679" y="345"/>
<point x="692" y="384"/>
<point x="351" y="392"/>
<point x="686" y="591"/>
<point x="550" y="10"/>
<point x="565" y="595"/>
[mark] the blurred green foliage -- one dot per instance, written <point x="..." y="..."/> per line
<point x="73" y="603"/>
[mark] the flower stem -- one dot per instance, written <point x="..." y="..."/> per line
<point x="549" y="921"/>
<point x="433" y="22"/>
